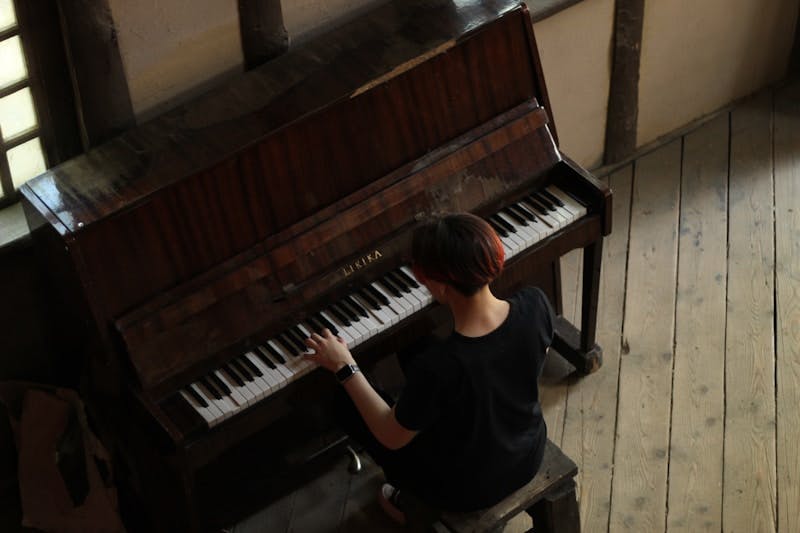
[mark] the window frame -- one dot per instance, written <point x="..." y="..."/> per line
<point x="48" y="78"/>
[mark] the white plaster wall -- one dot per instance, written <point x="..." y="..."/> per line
<point x="575" y="50"/>
<point x="305" y="18"/>
<point x="173" y="49"/>
<point x="699" y="56"/>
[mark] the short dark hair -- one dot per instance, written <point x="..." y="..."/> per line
<point x="460" y="249"/>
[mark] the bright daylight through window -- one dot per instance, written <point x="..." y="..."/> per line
<point x="21" y="156"/>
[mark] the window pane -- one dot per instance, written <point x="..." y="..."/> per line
<point x="12" y="62"/>
<point x="7" y="16"/>
<point x="16" y="113"/>
<point x="26" y="161"/>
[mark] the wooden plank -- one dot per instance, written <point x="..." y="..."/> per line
<point x="749" y="460"/>
<point x="787" y="279"/>
<point x="640" y="468"/>
<point x="592" y="403"/>
<point x="553" y="384"/>
<point x="695" y="467"/>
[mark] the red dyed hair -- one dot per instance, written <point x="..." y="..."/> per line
<point x="461" y="250"/>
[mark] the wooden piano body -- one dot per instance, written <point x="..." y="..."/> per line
<point x="192" y="239"/>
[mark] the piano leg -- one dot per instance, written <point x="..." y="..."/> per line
<point x="578" y="346"/>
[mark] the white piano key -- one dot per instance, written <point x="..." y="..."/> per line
<point x="393" y="305"/>
<point x="236" y="395"/>
<point x="382" y="320"/>
<point x="249" y="386"/>
<point x="343" y="331"/>
<point x="522" y="232"/>
<point x="202" y="411"/>
<point x="212" y="407"/>
<point x="267" y="377"/>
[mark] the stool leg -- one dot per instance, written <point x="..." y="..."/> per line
<point x="557" y="511"/>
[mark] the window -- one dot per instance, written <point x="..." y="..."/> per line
<point x="21" y="152"/>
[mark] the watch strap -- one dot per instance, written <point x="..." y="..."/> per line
<point x="347" y="372"/>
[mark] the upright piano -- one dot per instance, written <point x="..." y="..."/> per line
<point x="197" y="250"/>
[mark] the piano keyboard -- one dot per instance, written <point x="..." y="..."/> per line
<point x="368" y="311"/>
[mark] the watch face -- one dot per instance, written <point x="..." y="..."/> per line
<point x="346" y="371"/>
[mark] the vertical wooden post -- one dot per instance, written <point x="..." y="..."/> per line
<point x="623" y="98"/>
<point x="101" y="88"/>
<point x="264" y="36"/>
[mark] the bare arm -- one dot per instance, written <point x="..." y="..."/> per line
<point x="332" y="353"/>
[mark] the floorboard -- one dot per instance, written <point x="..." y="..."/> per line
<point x="592" y="404"/>
<point x="641" y="454"/>
<point x="787" y="282"/>
<point x="695" y="465"/>
<point x="749" y="492"/>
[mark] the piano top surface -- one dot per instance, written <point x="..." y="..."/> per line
<point x="339" y="65"/>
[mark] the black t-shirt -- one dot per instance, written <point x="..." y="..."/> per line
<point x="475" y="401"/>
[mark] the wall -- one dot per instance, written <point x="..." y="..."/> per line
<point x="575" y="50"/>
<point x="172" y="50"/>
<point x="699" y="56"/>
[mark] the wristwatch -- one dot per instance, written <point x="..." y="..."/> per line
<point x="347" y="372"/>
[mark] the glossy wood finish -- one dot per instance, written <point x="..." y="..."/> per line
<point x="200" y="234"/>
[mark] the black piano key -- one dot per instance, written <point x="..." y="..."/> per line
<point x="288" y="344"/>
<point x="515" y="216"/>
<point x="536" y="205"/>
<point x="339" y="314"/>
<point x="369" y="299"/>
<point x="211" y="388"/>
<point x="241" y="370"/>
<point x="254" y="370"/>
<point x="325" y="323"/>
<point x="261" y="353"/>
<point x="402" y="285"/>
<point x="554" y="199"/>
<point x="377" y="295"/>
<point x="391" y="289"/>
<point x="575" y="197"/>
<point x="356" y="306"/>
<point x="522" y="210"/>
<point x="408" y="279"/>
<point x="299" y="338"/>
<point x="498" y="228"/>
<point x="220" y="384"/>
<point x="544" y="201"/>
<point x="233" y="376"/>
<point x="508" y="227"/>
<point x="347" y="311"/>
<point x="193" y="393"/>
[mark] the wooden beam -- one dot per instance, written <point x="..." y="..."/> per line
<point x="103" y="98"/>
<point x="623" y="98"/>
<point x="264" y="36"/>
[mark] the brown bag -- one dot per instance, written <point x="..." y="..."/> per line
<point x="64" y="472"/>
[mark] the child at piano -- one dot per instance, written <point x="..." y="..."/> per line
<point x="467" y="428"/>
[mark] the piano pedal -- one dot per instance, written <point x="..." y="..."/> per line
<point x="355" y="461"/>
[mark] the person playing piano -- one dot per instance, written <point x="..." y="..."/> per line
<point x="467" y="428"/>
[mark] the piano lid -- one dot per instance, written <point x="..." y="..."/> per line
<point x="363" y="56"/>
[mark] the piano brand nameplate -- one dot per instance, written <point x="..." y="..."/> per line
<point x="361" y="262"/>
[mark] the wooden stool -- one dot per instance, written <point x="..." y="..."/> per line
<point x="549" y="499"/>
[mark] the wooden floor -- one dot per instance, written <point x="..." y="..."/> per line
<point x="692" y="422"/>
